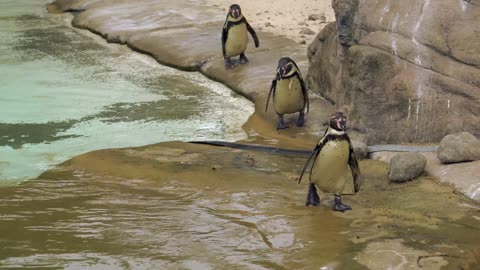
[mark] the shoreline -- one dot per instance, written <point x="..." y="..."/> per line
<point x="251" y="81"/>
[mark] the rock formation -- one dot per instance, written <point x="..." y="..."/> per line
<point x="458" y="148"/>
<point x="405" y="71"/>
<point x="406" y="166"/>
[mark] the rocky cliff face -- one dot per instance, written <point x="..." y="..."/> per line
<point x="406" y="71"/>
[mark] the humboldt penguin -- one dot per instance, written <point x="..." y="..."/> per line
<point x="289" y="92"/>
<point x="331" y="158"/>
<point x="235" y="37"/>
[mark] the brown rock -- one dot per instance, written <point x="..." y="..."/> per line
<point x="406" y="166"/>
<point x="458" y="148"/>
<point x="406" y="73"/>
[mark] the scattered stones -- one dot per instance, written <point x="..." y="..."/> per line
<point x="360" y="149"/>
<point x="307" y="31"/>
<point x="406" y="166"/>
<point x="303" y="42"/>
<point x="268" y="24"/>
<point x="317" y="17"/>
<point x="458" y="148"/>
<point x="301" y="23"/>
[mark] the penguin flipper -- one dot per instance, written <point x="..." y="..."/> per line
<point x="254" y="35"/>
<point x="224" y="36"/>
<point x="272" y="89"/>
<point x="305" y="92"/>
<point x="314" y="153"/>
<point x="353" y="163"/>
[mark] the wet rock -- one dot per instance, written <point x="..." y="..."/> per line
<point x="345" y="15"/>
<point x="393" y="254"/>
<point x="410" y="64"/>
<point x="360" y="149"/>
<point x="459" y="147"/>
<point x="465" y="176"/>
<point x="406" y="166"/>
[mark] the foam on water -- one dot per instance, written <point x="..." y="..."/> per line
<point x="65" y="92"/>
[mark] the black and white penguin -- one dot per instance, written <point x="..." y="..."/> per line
<point x="289" y="92"/>
<point x="331" y="158"/>
<point x="235" y="37"/>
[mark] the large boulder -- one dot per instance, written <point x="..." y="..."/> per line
<point x="406" y="166"/>
<point x="402" y="70"/>
<point x="459" y="147"/>
<point x="360" y="149"/>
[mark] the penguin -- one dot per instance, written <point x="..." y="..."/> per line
<point x="235" y="37"/>
<point x="289" y="92"/>
<point x="331" y="158"/>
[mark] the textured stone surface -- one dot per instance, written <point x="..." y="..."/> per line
<point x="459" y="147"/>
<point x="406" y="166"/>
<point x="402" y="70"/>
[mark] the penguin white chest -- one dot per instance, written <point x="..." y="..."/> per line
<point x="237" y="40"/>
<point x="288" y="96"/>
<point x="330" y="168"/>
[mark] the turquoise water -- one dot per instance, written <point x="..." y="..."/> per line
<point x="64" y="92"/>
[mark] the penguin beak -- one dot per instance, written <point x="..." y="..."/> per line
<point x="341" y="124"/>
<point x="235" y="13"/>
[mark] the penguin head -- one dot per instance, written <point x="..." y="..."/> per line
<point x="235" y="11"/>
<point x="285" y="65"/>
<point x="338" y="121"/>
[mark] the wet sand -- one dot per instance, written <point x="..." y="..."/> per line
<point x="243" y="209"/>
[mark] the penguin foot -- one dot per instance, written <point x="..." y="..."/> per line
<point x="301" y="120"/>
<point x="243" y="59"/>
<point x="281" y="124"/>
<point x="339" y="206"/>
<point x="312" y="196"/>
<point x="228" y="64"/>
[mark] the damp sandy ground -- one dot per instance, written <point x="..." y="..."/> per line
<point x="186" y="206"/>
<point x="299" y="20"/>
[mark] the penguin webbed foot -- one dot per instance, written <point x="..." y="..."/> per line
<point x="301" y="120"/>
<point x="281" y="124"/>
<point x="243" y="59"/>
<point x="312" y="196"/>
<point x="228" y="64"/>
<point x="339" y="206"/>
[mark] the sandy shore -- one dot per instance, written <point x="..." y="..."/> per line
<point x="300" y="20"/>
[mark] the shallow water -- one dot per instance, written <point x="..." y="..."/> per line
<point x="185" y="206"/>
<point x="65" y="92"/>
